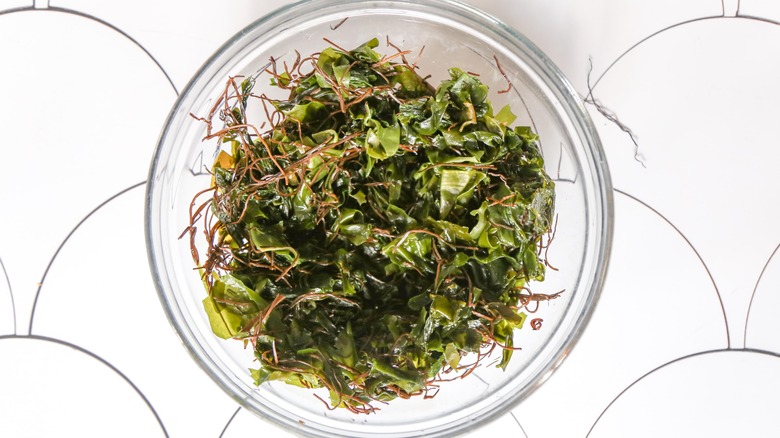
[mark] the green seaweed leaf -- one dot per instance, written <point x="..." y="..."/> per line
<point x="378" y="232"/>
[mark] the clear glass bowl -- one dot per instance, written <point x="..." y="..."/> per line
<point x="452" y="34"/>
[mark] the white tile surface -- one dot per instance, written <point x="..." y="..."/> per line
<point x="697" y="396"/>
<point x="50" y="388"/>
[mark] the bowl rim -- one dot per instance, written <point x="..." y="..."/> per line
<point x="575" y="110"/>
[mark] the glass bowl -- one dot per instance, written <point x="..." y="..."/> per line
<point x="453" y="35"/>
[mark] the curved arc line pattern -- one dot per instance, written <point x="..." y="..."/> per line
<point x="230" y="420"/>
<point x="757" y="18"/>
<point x="11" y="292"/>
<point x="557" y="177"/>
<point x="726" y="15"/>
<point x="698" y="256"/>
<point x="17" y="9"/>
<point x="629" y="50"/>
<point x="121" y="32"/>
<point x="520" y="425"/>
<point x="755" y="289"/>
<point x="99" y="359"/>
<point x="102" y="22"/>
<point x="43" y="5"/>
<point x="62" y="244"/>
<point x="640" y="42"/>
<point x="34" y="7"/>
<point x="672" y="362"/>
<point x="673" y="26"/>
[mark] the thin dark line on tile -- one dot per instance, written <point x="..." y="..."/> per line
<point x="560" y="160"/>
<point x="30" y="7"/>
<point x="637" y="44"/>
<point x="62" y="244"/>
<point x="723" y="16"/>
<point x="733" y="8"/>
<point x="11" y="292"/>
<point x="755" y="289"/>
<point x="481" y="379"/>
<point x="682" y="23"/>
<point x="671" y="362"/>
<point x="530" y="117"/>
<point x="758" y="351"/>
<point x="104" y="23"/>
<point x="123" y="33"/>
<point x="518" y="424"/>
<point x="760" y="19"/>
<point x="230" y="420"/>
<point x="99" y="359"/>
<point x="558" y="169"/>
<point x="701" y="260"/>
